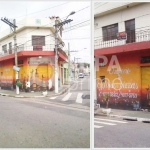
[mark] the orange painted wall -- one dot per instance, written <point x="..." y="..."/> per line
<point x="125" y="86"/>
<point x="35" y="73"/>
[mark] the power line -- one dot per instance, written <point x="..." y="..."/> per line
<point x="78" y="38"/>
<point x="82" y="9"/>
<point x="52" y="34"/>
<point x="52" y="22"/>
<point x="77" y="25"/>
<point x="101" y="5"/>
<point x="43" y="10"/>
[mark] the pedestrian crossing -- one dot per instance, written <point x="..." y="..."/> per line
<point x="77" y="97"/>
<point x="67" y="97"/>
<point x="100" y="122"/>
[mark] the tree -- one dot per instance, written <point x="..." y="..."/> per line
<point x="106" y="98"/>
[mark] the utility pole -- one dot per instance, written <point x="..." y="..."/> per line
<point x="58" y="26"/>
<point x="74" y="67"/>
<point x="77" y="60"/>
<point x="15" y="52"/>
<point x="13" y="25"/>
<point x="69" y="62"/>
<point x="56" y="57"/>
<point x="69" y="73"/>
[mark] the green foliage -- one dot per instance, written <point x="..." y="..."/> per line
<point x="106" y="97"/>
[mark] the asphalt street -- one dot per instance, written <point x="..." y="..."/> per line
<point x="31" y="123"/>
<point x="118" y="133"/>
<point x="77" y="95"/>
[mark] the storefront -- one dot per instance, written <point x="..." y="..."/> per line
<point x="37" y="70"/>
<point x="126" y="78"/>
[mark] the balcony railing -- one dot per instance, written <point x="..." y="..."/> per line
<point x="132" y="36"/>
<point x="32" y="48"/>
<point x="27" y="48"/>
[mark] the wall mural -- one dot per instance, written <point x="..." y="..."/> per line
<point x="38" y="75"/>
<point x="120" y="78"/>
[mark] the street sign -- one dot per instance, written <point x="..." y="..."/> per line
<point x="16" y="68"/>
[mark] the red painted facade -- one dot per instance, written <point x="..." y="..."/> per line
<point x="38" y="71"/>
<point x="129" y="86"/>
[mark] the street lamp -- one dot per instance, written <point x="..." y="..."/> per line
<point x="56" y="46"/>
<point x="71" y="13"/>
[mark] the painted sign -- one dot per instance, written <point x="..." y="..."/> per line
<point x="120" y="78"/>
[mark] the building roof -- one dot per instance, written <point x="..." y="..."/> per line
<point x="101" y="8"/>
<point x="30" y="22"/>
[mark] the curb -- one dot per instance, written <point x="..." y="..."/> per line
<point x="144" y="120"/>
<point x="131" y="118"/>
<point x="21" y="96"/>
<point x="3" y="94"/>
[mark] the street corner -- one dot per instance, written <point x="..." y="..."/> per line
<point x="3" y="94"/>
<point x="98" y="112"/>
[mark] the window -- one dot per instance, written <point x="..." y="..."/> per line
<point x="10" y="48"/>
<point x="38" y="40"/>
<point x="110" y="32"/>
<point x="130" y="30"/>
<point x="4" y="48"/>
<point x="145" y="60"/>
<point x="10" y="45"/>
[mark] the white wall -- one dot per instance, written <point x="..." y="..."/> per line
<point x="124" y="15"/>
<point x="100" y="7"/>
<point x="28" y="27"/>
<point x="25" y="37"/>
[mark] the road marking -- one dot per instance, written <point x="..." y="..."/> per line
<point x="53" y="97"/>
<point x="66" y="97"/>
<point x="79" y="98"/>
<point x="96" y="126"/>
<point x="111" y="120"/>
<point x="112" y="124"/>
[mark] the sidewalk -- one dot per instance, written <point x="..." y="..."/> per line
<point x="12" y="93"/>
<point x="126" y="114"/>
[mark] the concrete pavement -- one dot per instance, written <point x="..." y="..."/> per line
<point x="127" y="114"/>
<point x="12" y="93"/>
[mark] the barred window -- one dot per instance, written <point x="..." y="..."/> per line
<point x="110" y="32"/>
<point x="10" y="46"/>
<point x="38" y="40"/>
<point x="130" y="30"/>
<point x="4" y="48"/>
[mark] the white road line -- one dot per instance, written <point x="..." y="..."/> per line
<point x="111" y="120"/>
<point x="53" y="97"/>
<point x="66" y="97"/>
<point x="79" y="98"/>
<point x="112" y="124"/>
<point x="95" y="126"/>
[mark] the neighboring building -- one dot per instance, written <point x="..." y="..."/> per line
<point x="87" y="70"/>
<point x="122" y="43"/>
<point x="36" y="42"/>
<point x="73" y="70"/>
<point x="65" y="69"/>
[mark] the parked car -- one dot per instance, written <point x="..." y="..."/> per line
<point x="81" y="75"/>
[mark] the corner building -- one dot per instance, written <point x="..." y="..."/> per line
<point x="36" y="55"/>
<point x="122" y="50"/>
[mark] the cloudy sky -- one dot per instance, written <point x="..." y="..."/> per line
<point x="77" y="33"/>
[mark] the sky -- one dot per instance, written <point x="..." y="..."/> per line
<point x="77" y="36"/>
